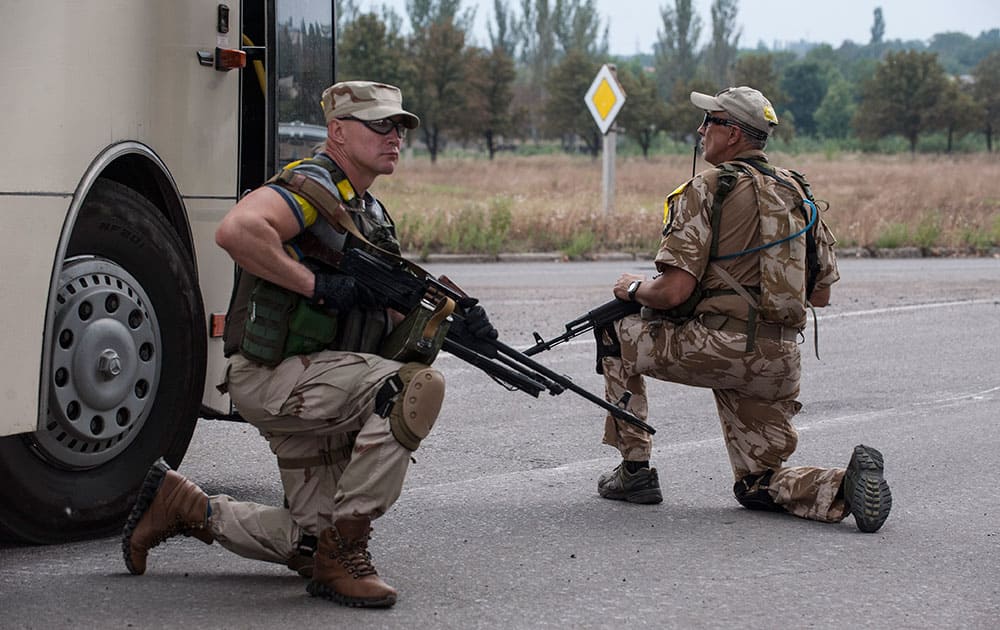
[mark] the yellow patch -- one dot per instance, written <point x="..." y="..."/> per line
<point x="309" y="213"/>
<point x="770" y="116"/>
<point x="346" y="190"/>
<point x="666" y="203"/>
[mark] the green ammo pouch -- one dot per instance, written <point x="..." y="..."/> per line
<point x="281" y="323"/>
<point x="419" y="337"/>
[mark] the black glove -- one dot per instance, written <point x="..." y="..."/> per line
<point x="341" y="292"/>
<point x="472" y="328"/>
<point x="474" y="324"/>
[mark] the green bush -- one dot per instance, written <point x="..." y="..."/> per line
<point x="894" y="235"/>
<point x="580" y="245"/>
<point x="928" y="231"/>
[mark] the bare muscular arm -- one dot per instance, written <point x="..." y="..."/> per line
<point x="253" y="233"/>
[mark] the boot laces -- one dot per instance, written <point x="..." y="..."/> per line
<point x="355" y="557"/>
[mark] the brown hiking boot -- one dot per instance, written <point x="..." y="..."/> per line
<point x="344" y="572"/>
<point x="168" y="504"/>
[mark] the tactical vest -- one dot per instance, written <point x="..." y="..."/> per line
<point x="267" y="323"/>
<point x="788" y="259"/>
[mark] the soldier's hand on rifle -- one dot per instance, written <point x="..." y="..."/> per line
<point x="341" y="292"/>
<point x="477" y="323"/>
<point x="472" y="328"/>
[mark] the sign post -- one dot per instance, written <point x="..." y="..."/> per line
<point x="605" y="99"/>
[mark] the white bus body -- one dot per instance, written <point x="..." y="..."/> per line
<point x="120" y="150"/>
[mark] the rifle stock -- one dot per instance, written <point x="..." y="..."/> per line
<point x="404" y="285"/>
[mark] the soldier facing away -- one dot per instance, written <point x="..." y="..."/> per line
<point x="743" y="255"/>
<point x="304" y="369"/>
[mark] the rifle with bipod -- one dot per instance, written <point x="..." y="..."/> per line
<point x="404" y="286"/>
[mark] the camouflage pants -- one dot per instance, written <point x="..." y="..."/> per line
<point x="316" y="410"/>
<point x="755" y="395"/>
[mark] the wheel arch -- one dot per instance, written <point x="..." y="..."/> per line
<point x="137" y="166"/>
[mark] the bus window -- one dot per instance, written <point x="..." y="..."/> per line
<point x="304" y="69"/>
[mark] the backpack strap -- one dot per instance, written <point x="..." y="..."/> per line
<point x="728" y="175"/>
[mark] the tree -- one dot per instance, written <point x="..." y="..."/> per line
<point x="757" y="71"/>
<point x="538" y="49"/>
<point x="805" y="84"/>
<point x="504" y="36"/>
<point x="345" y="12"/>
<point x="577" y="26"/>
<point x="987" y="92"/>
<point x="878" y="28"/>
<point x="722" y="50"/>
<point x="955" y="113"/>
<point x="834" y="114"/>
<point x="369" y="50"/>
<point x="423" y="13"/>
<point x="491" y="77"/>
<point x="644" y="112"/>
<point x="566" y="115"/>
<point x="674" y="54"/>
<point x="437" y="80"/>
<point x="683" y="118"/>
<point x="900" y="96"/>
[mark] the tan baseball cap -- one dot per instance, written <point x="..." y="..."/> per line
<point x="743" y="103"/>
<point x="366" y="100"/>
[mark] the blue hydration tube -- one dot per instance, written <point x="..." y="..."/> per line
<point x="812" y="221"/>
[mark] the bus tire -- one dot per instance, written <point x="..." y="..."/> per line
<point x="57" y="489"/>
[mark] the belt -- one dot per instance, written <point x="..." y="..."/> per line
<point x="777" y="332"/>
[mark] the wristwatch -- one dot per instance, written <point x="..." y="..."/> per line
<point x="632" y="288"/>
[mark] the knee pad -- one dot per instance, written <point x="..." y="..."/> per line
<point x="752" y="493"/>
<point x="415" y="398"/>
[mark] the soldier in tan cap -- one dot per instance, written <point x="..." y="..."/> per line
<point x="743" y="255"/>
<point x="303" y="343"/>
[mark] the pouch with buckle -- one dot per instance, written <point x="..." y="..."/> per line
<point x="420" y="335"/>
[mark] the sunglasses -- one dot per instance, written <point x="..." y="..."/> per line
<point x="725" y="122"/>
<point x="382" y="126"/>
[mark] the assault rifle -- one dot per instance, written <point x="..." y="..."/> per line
<point x="602" y="316"/>
<point x="404" y="286"/>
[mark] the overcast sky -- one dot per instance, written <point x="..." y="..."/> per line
<point x="633" y="24"/>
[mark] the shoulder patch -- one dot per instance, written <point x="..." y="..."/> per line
<point x="668" y="217"/>
<point x="309" y="214"/>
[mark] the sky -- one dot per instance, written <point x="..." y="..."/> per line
<point x="633" y="24"/>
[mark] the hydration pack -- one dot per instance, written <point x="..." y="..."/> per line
<point x="789" y="264"/>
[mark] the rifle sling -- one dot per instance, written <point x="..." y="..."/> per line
<point x="333" y="211"/>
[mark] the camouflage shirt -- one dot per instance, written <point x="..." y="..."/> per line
<point x="687" y="238"/>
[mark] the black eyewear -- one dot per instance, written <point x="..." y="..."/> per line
<point x="382" y="126"/>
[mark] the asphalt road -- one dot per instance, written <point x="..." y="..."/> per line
<point x="500" y="525"/>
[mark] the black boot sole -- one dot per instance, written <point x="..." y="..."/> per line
<point x="147" y="492"/>
<point x="645" y="497"/>
<point x="866" y="491"/>
<point x="318" y="589"/>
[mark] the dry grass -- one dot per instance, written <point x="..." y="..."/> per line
<point x="546" y="203"/>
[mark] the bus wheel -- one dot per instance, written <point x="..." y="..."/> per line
<point x="125" y="378"/>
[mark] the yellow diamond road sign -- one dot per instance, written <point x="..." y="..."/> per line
<point x="605" y="98"/>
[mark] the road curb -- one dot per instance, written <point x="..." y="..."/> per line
<point x="847" y="252"/>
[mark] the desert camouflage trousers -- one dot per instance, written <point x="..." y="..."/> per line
<point x="755" y="395"/>
<point x="312" y="408"/>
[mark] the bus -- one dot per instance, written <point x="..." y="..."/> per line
<point x="129" y="128"/>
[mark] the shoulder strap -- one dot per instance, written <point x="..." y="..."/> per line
<point x="728" y="174"/>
